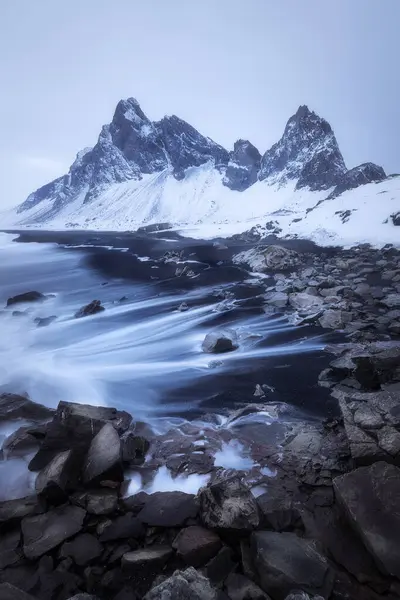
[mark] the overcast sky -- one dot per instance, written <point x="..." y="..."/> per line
<point x="232" y="68"/>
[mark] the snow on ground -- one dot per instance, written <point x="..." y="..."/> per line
<point x="201" y="206"/>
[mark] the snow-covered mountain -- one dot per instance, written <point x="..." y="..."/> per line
<point x="142" y="172"/>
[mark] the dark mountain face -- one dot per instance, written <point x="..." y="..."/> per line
<point x="132" y="146"/>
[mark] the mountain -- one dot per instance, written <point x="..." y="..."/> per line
<point x="142" y="171"/>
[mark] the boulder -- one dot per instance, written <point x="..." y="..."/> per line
<point x="371" y="497"/>
<point x="152" y="558"/>
<point x="240" y="587"/>
<point x="83" y="549"/>
<point x="14" y="406"/>
<point x="285" y="562"/>
<point x="15" y="510"/>
<point x="10" y="551"/>
<point x="20" y="443"/>
<point x="304" y="302"/>
<point x="123" y="527"/>
<point x="196" y="545"/>
<point x="227" y="504"/>
<point x="44" y="321"/>
<point x="168" y="509"/>
<point x="42" y="533"/>
<point x="335" y="319"/>
<point x="220" y="566"/>
<point x="26" y="297"/>
<point x="54" y="480"/>
<point x="10" y="592"/>
<point x="92" y="308"/>
<point x="97" y="502"/>
<point x="268" y="259"/>
<point x="183" y="585"/>
<point x="73" y="428"/>
<point x="134" y="448"/>
<point x="217" y="342"/>
<point x="277" y="299"/>
<point x="277" y="511"/>
<point x="103" y="462"/>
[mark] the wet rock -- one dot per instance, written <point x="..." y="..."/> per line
<point x="99" y="502"/>
<point x="123" y="527"/>
<point x="183" y="585"/>
<point x="10" y="592"/>
<point x="270" y="258"/>
<point x="183" y="307"/>
<point x="196" y="545"/>
<point x="104" y="459"/>
<point x="92" y="308"/>
<point x="14" y="406"/>
<point x="42" y="533"/>
<point x="26" y="297"/>
<point x="278" y="299"/>
<point x="83" y="549"/>
<point x="20" y="443"/>
<point x="134" y="448"/>
<point x="277" y="511"/>
<point x="227" y="504"/>
<point x="240" y="587"/>
<point x="73" y="428"/>
<point x="335" y="319"/>
<point x="168" y="509"/>
<point x="153" y="558"/>
<point x="224" y="340"/>
<point x="135" y="503"/>
<point x="220" y="566"/>
<point x="285" y="562"/>
<point x="391" y="301"/>
<point x="53" y="481"/>
<point x="10" y="551"/>
<point x="305" y="302"/>
<point x="11" y="510"/>
<point x="371" y="497"/>
<point x="44" y="321"/>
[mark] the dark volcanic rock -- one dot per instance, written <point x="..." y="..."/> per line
<point x="285" y="562"/>
<point x="83" y="549"/>
<point x="227" y="504"/>
<point x="277" y="511"/>
<point x="217" y="342"/>
<point x="104" y="459"/>
<point x="134" y="448"/>
<point x="20" y="443"/>
<point x="11" y="510"/>
<point x="123" y="527"/>
<point x="26" y="297"/>
<point x="10" y="592"/>
<point x="154" y="557"/>
<point x="53" y="481"/>
<point x="42" y="533"/>
<point x="73" y="427"/>
<point x="240" y="587"/>
<point x="168" y="509"/>
<point x="196" y="545"/>
<point x="183" y="585"/>
<point x="44" y="321"/>
<point x="10" y="551"/>
<point x="243" y="166"/>
<point x="14" y="406"/>
<point x="98" y="502"/>
<point x="365" y="173"/>
<point x="92" y="308"/>
<point x="371" y="497"/>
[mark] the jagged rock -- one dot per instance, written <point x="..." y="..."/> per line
<point x="196" y="545"/>
<point x="263" y="259"/>
<point x="227" y="504"/>
<point x="92" y="308"/>
<point x="11" y="510"/>
<point x="168" y="509"/>
<point x="104" y="459"/>
<point x="305" y="302"/>
<point x="10" y="592"/>
<point x="83" y="549"/>
<point x="53" y="481"/>
<point x="277" y="511"/>
<point x="10" y="551"/>
<point x="73" y="428"/>
<point x="20" y="443"/>
<point x="42" y="533"/>
<point x="278" y="299"/>
<point x="14" y="406"/>
<point x="97" y="502"/>
<point x="134" y="448"/>
<point x="243" y="166"/>
<point x="371" y="496"/>
<point x="240" y="587"/>
<point x="135" y="503"/>
<point x="26" y="297"/>
<point x="335" y="319"/>
<point x="183" y="585"/>
<point x="395" y="218"/>
<point x="365" y="173"/>
<point x="308" y="151"/>
<point x="285" y="562"/>
<point x="123" y="527"/>
<point x="224" y="340"/>
<point x="220" y="566"/>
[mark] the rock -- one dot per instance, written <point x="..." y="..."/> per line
<point x="395" y="218"/>
<point x="83" y="549"/>
<point x="73" y="428"/>
<point x="104" y="459"/>
<point x="101" y="502"/>
<point x="196" y="545"/>
<point x="220" y="566"/>
<point x="85" y="597"/>
<point x="278" y="299"/>
<point x="26" y="297"/>
<point x="224" y="340"/>
<point x="360" y="175"/>
<point x="263" y="259"/>
<point x="11" y="510"/>
<point x="54" y="480"/>
<point x="92" y="308"/>
<point x="371" y="497"/>
<point x="123" y="527"/>
<point x="305" y="302"/>
<point x="135" y="503"/>
<point x="42" y="533"/>
<point x="240" y="587"/>
<point x="10" y="592"/>
<point x="14" y="406"/>
<point x="134" y="448"/>
<point x="335" y="319"/>
<point x="20" y="443"/>
<point x="183" y="307"/>
<point x="227" y="504"/>
<point x="243" y="166"/>
<point x="183" y="585"/>
<point x="44" y="321"/>
<point x="153" y="558"/>
<point x="10" y="551"/>
<point x="391" y="301"/>
<point x="168" y="509"/>
<point x="277" y="511"/>
<point x="284" y="562"/>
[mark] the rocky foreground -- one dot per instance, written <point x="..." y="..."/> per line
<point x="316" y="516"/>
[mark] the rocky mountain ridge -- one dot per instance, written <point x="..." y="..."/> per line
<point x="132" y="146"/>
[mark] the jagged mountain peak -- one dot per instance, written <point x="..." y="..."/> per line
<point x="130" y="110"/>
